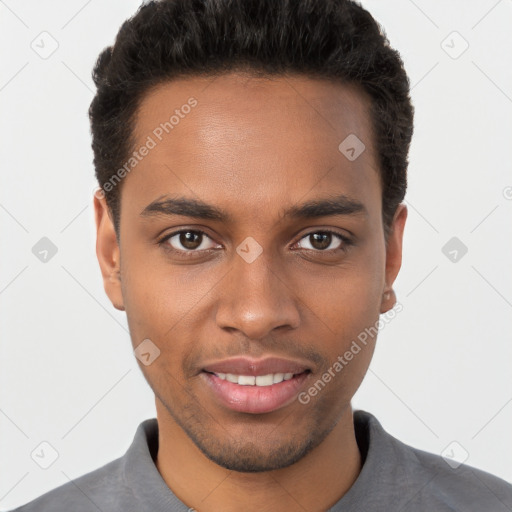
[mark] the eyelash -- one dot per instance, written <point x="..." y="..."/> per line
<point x="191" y="253"/>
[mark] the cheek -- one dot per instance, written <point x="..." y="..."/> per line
<point x="162" y="302"/>
<point x="349" y="329"/>
<point x="347" y="298"/>
<point x="350" y="309"/>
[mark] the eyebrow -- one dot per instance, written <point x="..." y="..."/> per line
<point x="195" y="208"/>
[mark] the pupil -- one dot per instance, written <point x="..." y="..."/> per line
<point x="325" y="240"/>
<point x="187" y="240"/>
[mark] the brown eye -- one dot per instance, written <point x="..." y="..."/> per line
<point x="321" y="241"/>
<point x="187" y="241"/>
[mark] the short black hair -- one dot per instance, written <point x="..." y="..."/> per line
<point x="167" y="39"/>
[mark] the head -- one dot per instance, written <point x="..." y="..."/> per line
<point x="280" y="130"/>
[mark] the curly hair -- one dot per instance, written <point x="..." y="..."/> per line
<point x="334" y="39"/>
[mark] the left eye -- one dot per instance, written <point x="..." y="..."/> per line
<point x="322" y="240"/>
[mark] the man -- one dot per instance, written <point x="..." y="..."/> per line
<point x="252" y="159"/>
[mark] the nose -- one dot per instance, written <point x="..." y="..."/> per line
<point x="257" y="298"/>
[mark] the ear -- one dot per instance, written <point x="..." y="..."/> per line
<point x="107" y="251"/>
<point x="393" y="257"/>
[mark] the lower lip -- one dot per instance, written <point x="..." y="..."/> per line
<point x="255" y="399"/>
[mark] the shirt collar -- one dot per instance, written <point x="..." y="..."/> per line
<point x="382" y="469"/>
<point x="141" y="474"/>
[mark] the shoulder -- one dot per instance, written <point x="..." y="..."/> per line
<point x="462" y="485"/>
<point x="429" y="481"/>
<point x="90" y="492"/>
<point x="115" y="486"/>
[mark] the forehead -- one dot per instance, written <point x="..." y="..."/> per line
<point x="249" y="141"/>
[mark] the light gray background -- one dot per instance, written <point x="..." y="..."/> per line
<point x="442" y="368"/>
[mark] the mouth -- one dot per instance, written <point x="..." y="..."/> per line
<point x="255" y="387"/>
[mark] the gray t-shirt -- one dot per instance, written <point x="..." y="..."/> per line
<point x="394" y="477"/>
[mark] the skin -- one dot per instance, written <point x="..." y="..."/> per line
<point x="254" y="147"/>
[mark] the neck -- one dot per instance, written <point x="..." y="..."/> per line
<point x="314" y="483"/>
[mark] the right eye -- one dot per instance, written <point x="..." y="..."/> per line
<point x="190" y="240"/>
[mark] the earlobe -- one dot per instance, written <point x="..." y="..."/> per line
<point x="108" y="252"/>
<point x="388" y="301"/>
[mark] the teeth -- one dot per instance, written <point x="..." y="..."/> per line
<point x="263" y="380"/>
<point x="278" y="377"/>
<point x="246" y="380"/>
<point x="251" y="380"/>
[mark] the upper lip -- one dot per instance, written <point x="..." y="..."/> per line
<point x="255" y="367"/>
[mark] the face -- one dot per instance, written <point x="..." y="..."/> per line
<point x="252" y="293"/>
